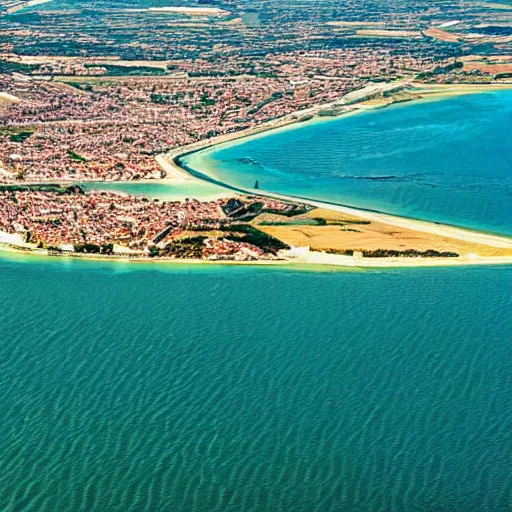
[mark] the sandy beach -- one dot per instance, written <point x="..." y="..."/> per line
<point x="312" y="260"/>
<point x="475" y="248"/>
<point x="318" y="258"/>
<point x="350" y="104"/>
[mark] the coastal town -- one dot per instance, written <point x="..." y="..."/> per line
<point x="68" y="220"/>
<point x="103" y="108"/>
<point x="255" y="255"/>
<point x="90" y="114"/>
<point x="112" y="129"/>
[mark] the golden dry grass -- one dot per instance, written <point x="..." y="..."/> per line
<point x="374" y="236"/>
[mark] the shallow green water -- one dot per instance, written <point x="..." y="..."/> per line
<point x="170" y="191"/>
<point x="146" y="387"/>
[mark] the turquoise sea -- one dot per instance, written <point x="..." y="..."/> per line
<point x="447" y="161"/>
<point x="157" y="387"/>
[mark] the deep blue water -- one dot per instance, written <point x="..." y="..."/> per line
<point x="447" y="161"/>
<point x="154" y="388"/>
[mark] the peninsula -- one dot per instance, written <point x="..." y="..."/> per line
<point x="116" y="112"/>
<point x="61" y="219"/>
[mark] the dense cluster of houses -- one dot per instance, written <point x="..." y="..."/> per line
<point x="112" y="129"/>
<point x="99" y="217"/>
<point x="66" y="220"/>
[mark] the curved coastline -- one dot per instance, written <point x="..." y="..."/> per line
<point x="419" y="93"/>
<point x="178" y="171"/>
<point x="446" y="229"/>
<point x="181" y="161"/>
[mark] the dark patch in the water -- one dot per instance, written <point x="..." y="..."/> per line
<point x="374" y="178"/>
<point x="249" y="161"/>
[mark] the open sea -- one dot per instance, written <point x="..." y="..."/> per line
<point x="159" y="387"/>
<point x="165" y="388"/>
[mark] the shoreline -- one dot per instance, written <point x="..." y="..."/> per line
<point x="178" y="172"/>
<point x="420" y="92"/>
<point x="314" y="261"/>
<point x="366" y="213"/>
<point x="435" y="92"/>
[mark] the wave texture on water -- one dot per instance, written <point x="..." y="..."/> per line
<point x="447" y="161"/>
<point x="235" y="389"/>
